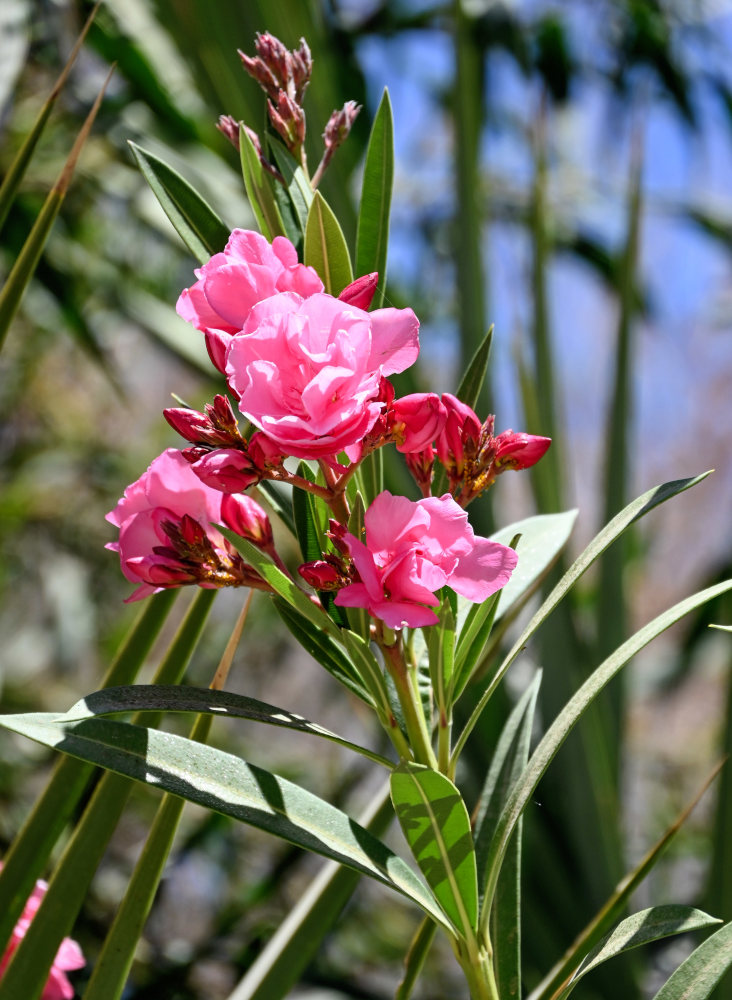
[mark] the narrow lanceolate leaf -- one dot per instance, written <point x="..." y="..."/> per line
<point x="309" y="523"/>
<point x="572" y="712"/>
<point x="285" y="956"/>
<point x="641" y="928"/>
<point x="323" y="649"/>
<point x="115" y="960"/>
<point x="281" y="584"/>
<point x="372" y="236"/>
<point x="325" y="247"/>
<point x="27" y="261"/>
<point x="26" y="859"/>
<point x="509" y="760"/>
<point x="297" y="185"/>
<point x="223" y="704"/>
<point x="696" y="978"/>
<point x="436" y="825"/>
<point x="554" y="980"/>
<point x="633" y="512"/>
<point x="473" y="380"/>
<point x="16" y="170"/>
<point x="193" y="219"/>
<point x="229" y="785"/>
<point x="259" y="185"/>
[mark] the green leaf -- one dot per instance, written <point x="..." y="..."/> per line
<point x="415" y="958"/>
<point x="260" y="191"/>
<point x="325" y="247"/>
<point x="436" y="825"/>
<point x="472" y="381"/>
<point x="27" y="260"/>
<point x="614" y="906"/>
<point x="278" y="496"/>
<point x="229" y="785"/>
<point x="565" y="721"/>
<point x="372" y="237"/>
<point x="181" y="698"/>
<point x="297" y="185"/>
<point x="699" y="974"/>
<point x="507" y="763"/>
<point x="641" y="928"/>
<point x="16" y="171"/>
<point x="115" y="959"/>
<point x="323" y="649"/>
<point x="193" y="219"/>
<point x="542" y="539"/>
<point x="27" y="973"/>
<point x="26" y="858"/>
<point x="441" y="649"/>
<point x="633" y="512"/>
<point x="281" y="584"/>
<point x="309" y="523"/>
<point x="279" y="965"/>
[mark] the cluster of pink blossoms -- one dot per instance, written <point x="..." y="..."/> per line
<point x="68" y="957"/>
<point x="311" y="373"/>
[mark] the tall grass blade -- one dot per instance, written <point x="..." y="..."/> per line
<point x="28" y="970"/>
<point x="27" y="261"/>
<point x="29" y="852"/>
<point x="286" y="955"/>
<point x="19" y="165"/>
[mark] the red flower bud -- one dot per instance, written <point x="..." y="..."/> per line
<point x="361" y="291"/>
<point x="229" y="127"/>
<point x="244" y="516"/>
<point x="322" y="574"/>
<point x="226" y="469"/>
<point x="264" y="452"/>
<point x="340" y="124"/>
<point x="518" y="450"/>
<point x="418" y="420"/>
<point x="190" y="424"/>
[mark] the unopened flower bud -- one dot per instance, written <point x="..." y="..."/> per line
<point x="418" y="419"/>
<point x="264" y="452"/>
<point x="190" y="424"/>
<point x="244" y="516"/>
<point x="288" y="119"/>
<point x="323" y="574"/>
<point x="421" y="464"/>
<point x="517" y="450"/>
<point x="361" y="291"/>
<point x="227" y="470"/>
<point x="301" y="62"/>
<point x="229" y="127"/>
<point x="222" y="415"/>
<point x="340" y="124"/>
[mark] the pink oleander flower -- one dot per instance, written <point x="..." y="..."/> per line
<point x="68" y="956"/>
<point x="308" y="371"/>
<point x="413" y="548"/>
<point x="231" y="283"/>
<point x="166" y="538"/>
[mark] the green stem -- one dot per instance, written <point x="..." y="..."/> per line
<point x="419" y="737"/>
<point x="478" y="968"/>
<point x="444" y="733"/>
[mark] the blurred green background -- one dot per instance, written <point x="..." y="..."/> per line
<point x="563" y="170"/>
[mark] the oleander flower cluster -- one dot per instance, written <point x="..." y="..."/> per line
<point x="310" y="374"/>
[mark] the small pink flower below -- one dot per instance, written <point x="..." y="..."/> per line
<point x="68" y="956"/>
<point x="412" y="550"/>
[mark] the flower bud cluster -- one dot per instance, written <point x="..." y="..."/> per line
<point x="472" y="457"/>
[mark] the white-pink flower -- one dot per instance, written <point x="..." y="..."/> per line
<point x="307" y="370"/>
<point x="68" y="956"/>
<point x="231" y="283"/>
<point x="412" y="550"/>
